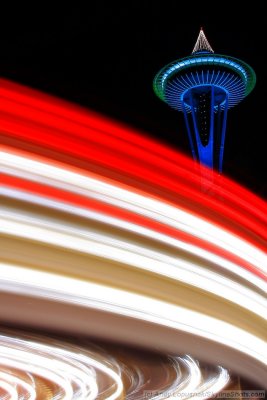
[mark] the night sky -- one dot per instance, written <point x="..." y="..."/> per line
<point x="105" y="55"/>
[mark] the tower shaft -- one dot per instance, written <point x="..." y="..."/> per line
<point x="205" y="111"/>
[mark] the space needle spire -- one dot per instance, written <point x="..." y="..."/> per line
<point x="202" y="45"/>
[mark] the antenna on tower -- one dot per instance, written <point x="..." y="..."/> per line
<point x="202" y="44"/>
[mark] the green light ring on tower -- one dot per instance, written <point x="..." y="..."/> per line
<point x="243" y="70"/>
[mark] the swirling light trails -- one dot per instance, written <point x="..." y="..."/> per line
<point x="75" y="373"/>
<point x="106" y="246"/>
<point x="40" y="367"/>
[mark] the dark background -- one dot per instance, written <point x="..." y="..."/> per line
<point x="105" y="54"/>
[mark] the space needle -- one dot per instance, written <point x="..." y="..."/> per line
<point x="204" y="86"/>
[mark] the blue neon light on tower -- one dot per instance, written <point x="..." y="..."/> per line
<point x="204" y="86"/>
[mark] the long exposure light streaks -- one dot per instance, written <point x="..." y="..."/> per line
<point x="74" y="374"/>
<point x="124" y="252"/>
<point x="148" y="207"/>
<point x="134" y="305"/>
<point x="141" y="205"/>
<point x="102" y="219"/>
<point x="69" y="371"/>
<point x="85" y="294"/>
<point x="6" y="382"/>
<point x="130" y="227"/>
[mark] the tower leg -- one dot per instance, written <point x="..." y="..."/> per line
<point x="190" y="136"/>
<point x="223" y="130"/>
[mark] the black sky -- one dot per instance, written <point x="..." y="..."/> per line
<point x="105" y="55"/>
